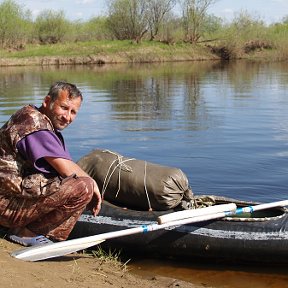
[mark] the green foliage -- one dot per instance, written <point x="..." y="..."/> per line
<point x="170" y="31"/>
<point x="248" y="26"/>
<point x="246" y="33"/>
<point x="51" y="27"/>
<point x="211" y="24"/>
<point x="128" y="19"/>
<point x="94" y="29"/>
<point x="194" y="14"/>
<point x="278" y="35"/>
<point x="15" y="25"/>
<point x="137" y="20"/>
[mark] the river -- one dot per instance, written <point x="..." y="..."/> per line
<point x="225" y="125"/>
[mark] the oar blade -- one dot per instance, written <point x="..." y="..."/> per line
<point x="47" y="251"/>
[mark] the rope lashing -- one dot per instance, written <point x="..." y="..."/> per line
<point x="122" y="167"/>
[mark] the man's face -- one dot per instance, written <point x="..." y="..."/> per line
<point x="62" y="111"/>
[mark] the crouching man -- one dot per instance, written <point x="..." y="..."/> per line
<point x="42" y="191"/>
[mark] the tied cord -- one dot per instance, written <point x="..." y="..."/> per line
<point x="122" y="167"/>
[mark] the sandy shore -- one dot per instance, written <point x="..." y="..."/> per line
<point x="73" y="271"/>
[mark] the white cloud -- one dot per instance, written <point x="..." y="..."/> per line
<point x="84" y="1"/>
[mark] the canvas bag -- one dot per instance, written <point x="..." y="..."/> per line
<point x="136" y="183"/>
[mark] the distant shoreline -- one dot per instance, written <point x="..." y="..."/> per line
<point x="93" y="60"/>
<point x="73" y="54"/>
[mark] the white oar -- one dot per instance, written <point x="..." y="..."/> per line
<point x="42" y="252"/>
<point x="190" y="213"/>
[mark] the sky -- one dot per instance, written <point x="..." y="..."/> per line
<point x="269" y="11"/>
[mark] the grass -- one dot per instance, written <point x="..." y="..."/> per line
<point x="152" y="48"/>
<point x="145" y="51"/>
<point x="110" y="257"/>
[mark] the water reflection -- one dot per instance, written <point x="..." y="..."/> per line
<point x="213" y="274"/>
<point x="223" y="124"/>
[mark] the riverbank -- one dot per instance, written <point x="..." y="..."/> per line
<point x="111" y="52"/>
<point x="74" y="271"/>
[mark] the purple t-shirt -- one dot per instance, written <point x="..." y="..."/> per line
<point x="41" y="144"/>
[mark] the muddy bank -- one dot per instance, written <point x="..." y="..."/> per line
<point x="103" y="59"/>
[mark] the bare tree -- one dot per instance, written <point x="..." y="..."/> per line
<point x="193" y="13"/>
<point x="157" y="11"/>
<point x="128" y="19"/>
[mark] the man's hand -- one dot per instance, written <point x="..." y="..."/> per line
<point x="95" y="204"/>
<point x="66" y="168"/>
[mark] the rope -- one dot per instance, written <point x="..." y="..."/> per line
<point x="108" y="176"/>
<point x="122" y="166"/>
<point x="145" y="186"/>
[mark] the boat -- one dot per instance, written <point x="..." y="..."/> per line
<point x="261" y="236"/>
<point x="137" y="193"/>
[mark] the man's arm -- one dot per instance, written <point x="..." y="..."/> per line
<point x="66" y="168"/>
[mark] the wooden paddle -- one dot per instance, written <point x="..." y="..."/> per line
<point x="42" y="252"/>
<point x="46" y="251"/>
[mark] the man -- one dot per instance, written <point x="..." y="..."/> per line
<point x="42" y="191"/>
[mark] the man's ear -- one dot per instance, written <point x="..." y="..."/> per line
<point x="46" y="101"/>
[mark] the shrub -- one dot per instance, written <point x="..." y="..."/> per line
<point x="51" y="27"/>
<point x="15" y="25"/>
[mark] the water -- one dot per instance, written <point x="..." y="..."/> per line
<point x="224" y="125"/>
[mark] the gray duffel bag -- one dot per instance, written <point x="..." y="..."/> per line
<point x="136" y="183"/>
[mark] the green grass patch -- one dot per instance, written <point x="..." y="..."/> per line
<point x="95" y="48"/>
<point x="110" y="257"/>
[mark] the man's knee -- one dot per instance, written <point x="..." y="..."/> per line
<point x="80" y="187"/>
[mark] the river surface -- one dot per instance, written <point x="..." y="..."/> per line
<point x="224" y="125"/>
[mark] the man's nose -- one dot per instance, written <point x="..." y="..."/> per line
<point x="68" y="116"/>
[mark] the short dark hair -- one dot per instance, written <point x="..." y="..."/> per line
<point x="73" y="91"/>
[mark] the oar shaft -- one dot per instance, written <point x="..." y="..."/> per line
<point x="251" y="209"/>
<point x="155" y="227"/>
<point x="151" y="227"/>
<point x="195" y="212"/>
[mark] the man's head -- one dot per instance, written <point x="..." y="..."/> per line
<point x="62" y="104"/>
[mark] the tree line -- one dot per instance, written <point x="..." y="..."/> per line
<point x="134" y="20"/>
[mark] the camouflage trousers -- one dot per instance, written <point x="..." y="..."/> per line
<point x="54" y="215"/>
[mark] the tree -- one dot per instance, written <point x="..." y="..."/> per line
<point x="14" y="25"/>
<point x="128" y="19"/>
<point x="93" y="29"/>
<point x="51" y="26"/>
<point x="285" y="19"/>
<point x="194" y="13"/>
<point x="158" y="9"/>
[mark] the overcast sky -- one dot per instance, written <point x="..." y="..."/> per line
<point x="268" y="10"/>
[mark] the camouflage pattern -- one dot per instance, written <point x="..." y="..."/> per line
<point x="45" y="205"/>
<point x="18" y="175"/>
<point x="53" y="216"/>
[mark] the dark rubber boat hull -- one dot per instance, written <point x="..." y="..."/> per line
<point x="260" y="237"/>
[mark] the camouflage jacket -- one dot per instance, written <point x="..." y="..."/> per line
<point x="18" y="177"/>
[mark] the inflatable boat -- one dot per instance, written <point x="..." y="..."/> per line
<point x="137" y="194"/>
<point x="261" y="236"/>
<point x="141" y="192"/>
